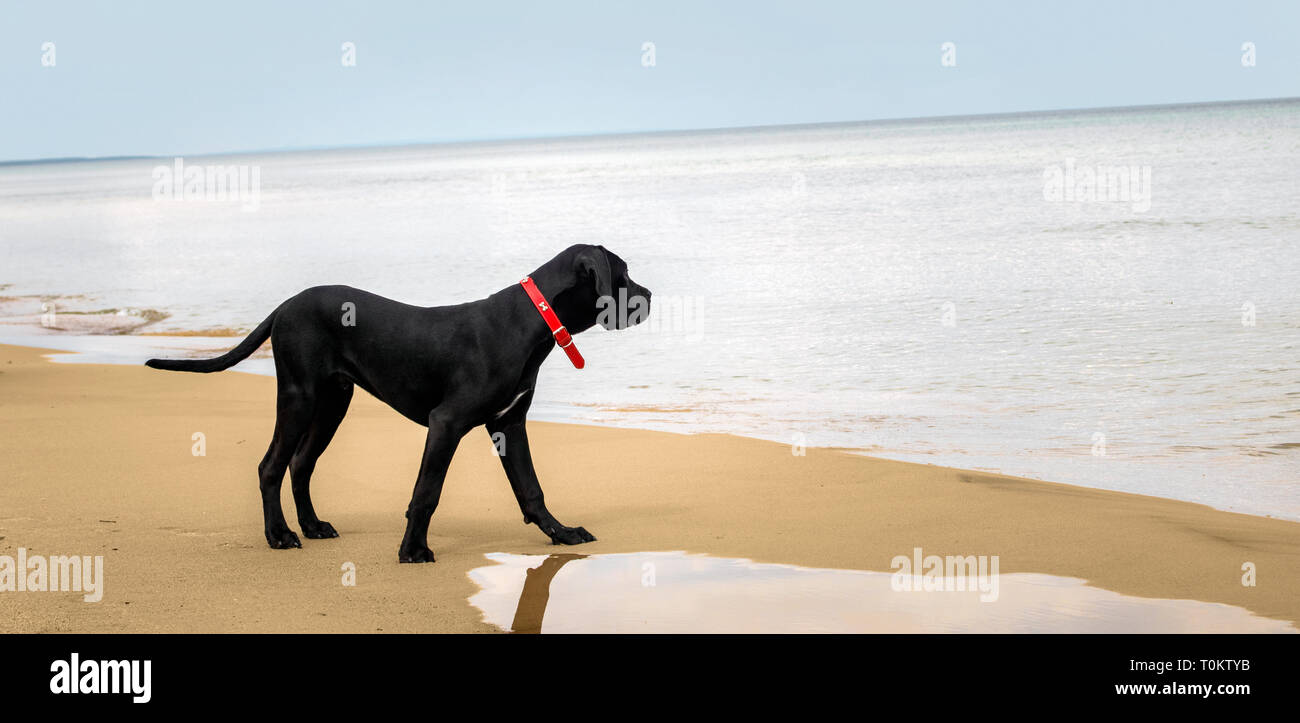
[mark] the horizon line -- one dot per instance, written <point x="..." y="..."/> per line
<point x="628" y="133"/>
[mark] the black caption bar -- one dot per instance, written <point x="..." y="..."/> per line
<point x="305" y="672"/>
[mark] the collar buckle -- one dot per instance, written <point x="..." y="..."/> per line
<point x="563" y="337"/>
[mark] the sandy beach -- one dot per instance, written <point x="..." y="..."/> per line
<point x="97" y="460"/>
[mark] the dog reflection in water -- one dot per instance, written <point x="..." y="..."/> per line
<point x="537" y="592"/>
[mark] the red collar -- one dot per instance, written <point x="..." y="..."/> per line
<point x="562" y="335"/>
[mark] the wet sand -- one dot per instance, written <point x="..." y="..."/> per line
<point x="97" y="460"/>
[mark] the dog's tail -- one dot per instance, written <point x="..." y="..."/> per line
<point x="225" y="361"/>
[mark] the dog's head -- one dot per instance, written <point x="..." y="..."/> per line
<point x="602" y="292"/>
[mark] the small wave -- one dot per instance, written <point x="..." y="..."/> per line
<point x="48" y="313"/>
<point x="642" y="408"/>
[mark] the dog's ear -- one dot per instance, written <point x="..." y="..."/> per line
<point x="593" y="262"/>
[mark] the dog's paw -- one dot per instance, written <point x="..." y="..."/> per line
<point x="419" y="554"/>
<point x="571" y="536"/>
<point x="283" y="540"/>
<point x="318" y="530"/>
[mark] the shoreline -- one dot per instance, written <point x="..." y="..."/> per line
<point x="613" y="416"/>
<point x="99" y="461"/>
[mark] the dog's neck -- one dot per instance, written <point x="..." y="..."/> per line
<point x="521" y="317"/>
<point x="557" y="281"/>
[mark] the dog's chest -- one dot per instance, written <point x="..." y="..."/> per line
<point x="512" y="404"/>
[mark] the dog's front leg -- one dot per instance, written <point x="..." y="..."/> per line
<point x="511" y="441"/>
<point x="439" y="447"/>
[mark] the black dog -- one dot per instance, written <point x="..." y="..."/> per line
<point x="451" y="368"/>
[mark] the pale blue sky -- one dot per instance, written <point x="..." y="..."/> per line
<point x="185" y="77"/>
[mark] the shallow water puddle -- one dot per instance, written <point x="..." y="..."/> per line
<point x="676" y="592"/>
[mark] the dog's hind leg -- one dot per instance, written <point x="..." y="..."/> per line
<point x="293" y="413"/>
<point x="331" y="406"/>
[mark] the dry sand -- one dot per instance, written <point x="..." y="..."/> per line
<point x="97" y="461"/>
